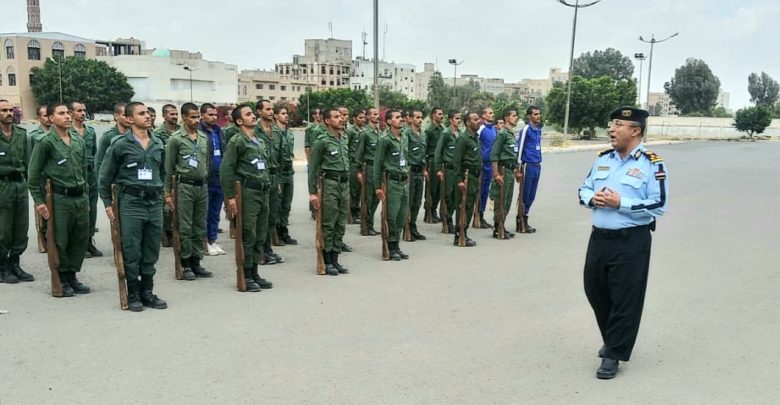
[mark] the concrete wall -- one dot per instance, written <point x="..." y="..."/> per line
<point x="701" y="128"/>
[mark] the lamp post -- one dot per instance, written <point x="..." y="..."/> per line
<point x="641" y="58"/>
<point x="376" y="54"/>
<point x="577" y="6"/>
<point x="59" y="67"/>
<point x="190" y="69"/>
<point x="652" y="43"/>
<point x="455" y="63"/>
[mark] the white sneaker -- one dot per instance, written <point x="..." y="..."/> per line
<point x="218" y="249"/>
<point x="210" y="250"/>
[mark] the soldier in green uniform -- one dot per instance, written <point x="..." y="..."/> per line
<point x="417" y="169"/>
<point x="468" y="156"/>
<point x="60" y="156"/>
<point x="14" y="214"/>
<point x="78" y="112"/>
<point x="445" y="169"/>
<point x="164" y="131"/>
<point x="329" y="158"/>
<point x="121" y="127"/>
<point x="32" y="138"/>
<point x="366" y="150"/>
<point x="273" y="145"/>
<point x="353" y="133"/>
<point x="230" y="129"/>
<point x="311" y="133"/>
<point x="245" y="160"/>
<point x="152" y="116"/>
<point x="391" y="160"/>
<point x="134" y="162"/>
<point x="186" y="157"/>
<point x="503" y="155"/>
<point x="432" y="135"/>
<point x="286" y="174"/>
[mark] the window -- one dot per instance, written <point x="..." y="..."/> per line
<point x="58" y="51"/>
<point x="331" y="82"/>
<point x="331" y="70"/>
<point x="258" y="86"/>
<point x="9" y="49"/>
<point x="324" y="82"/>
<point x="272" y="98"/>
<point x="80" y="51"/>
<point x="284" y="98"/>
<point x="323" y="71"/>
<point x="11" y="77"/>
<point x="271" y="87"/>
<point x="283" y="88"/>
<point x="34" y="50"/>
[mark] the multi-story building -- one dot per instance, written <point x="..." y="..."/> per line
<point x="724" y="100"/>
<point x="421" y="81"/>
<point x="254" y="85"/>
<point x="395" y="76"/>
<point x="21" y="52"/>
<point x="661" y="104"/>
<point x="325" y="64"/>
<point x="494" y="86"/>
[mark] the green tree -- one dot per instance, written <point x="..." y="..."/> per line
<point x="92" y="82"/>
<point x="439" y="94"/>
<point x="397" y="100"/>
<point x="609" y="62"/>
<point x="332" y="98"/>
<point x="763" y="89"/>
<point x="479" y="100"/>
<point x="591" y="101"/>
<point x="721" y="112"/>
<point x="752" y="120"/>
<point x="694" y="88"/>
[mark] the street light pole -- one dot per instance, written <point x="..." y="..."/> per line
<point x="59" y="68"/>
<point x="577" y="6"/>
<point x="652" y="43"/>
<point x="189" y="69"/>
<point x="641" y="58"/>
<point x="455" y="63"/>
<point x="376" y="54"/>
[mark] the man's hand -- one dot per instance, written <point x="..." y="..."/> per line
<point x="440" y="175"/>
<point x="425" y="174"/>
<point x="360" y="177"/>
<point x="499" y="179"/>
<point x="380" y="194"/>
<point x="462" y="186"/>
<point x="315" y="202"/>
<point x="606" y="198"/>
<point x="169" y="202"/>
<point x="42" y="210"/>
<point x="231" y="208"/>
<point x="110" y="214"/>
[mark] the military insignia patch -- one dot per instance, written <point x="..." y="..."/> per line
<point x="605" y="151"/>
<point x="602" y="168"/>
<point x="627" y="113"/>
<point x="660" y="175"/>
<point x="653" y="157"/>
<point x="635" y="172"/>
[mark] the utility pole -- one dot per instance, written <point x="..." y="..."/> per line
<point x="376" y="54"/>
<point x="641" y="58"/>
<point x="455" y="63"/>
<point x="652" y="43"/>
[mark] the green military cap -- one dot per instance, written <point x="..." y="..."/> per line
<point x="629" y="114"/>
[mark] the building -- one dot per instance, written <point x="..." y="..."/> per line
<point x="164" y="76"/>
<point x="422" y="80"/>
<point x="660" y="104"/>
<point x="21" y="52"/>
<point x="494" y="86"/>
<point x="122" y="46"/>
<point x="254" y="85"/>
<point x="325" y="64"/>
<point x="395" y="76"/>
<point x="724" y="100"/>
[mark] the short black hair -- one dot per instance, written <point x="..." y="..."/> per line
<point x="358" y="112"/>
<point x="71" y="105"/>
<point x="53" y="106"/>
<point x="389" y="114"/>
<point x="167" y="107"/>
<point x="483" y="110"/>
<point x="187" y="107"/>
<point x="530" y="110"/>
<point x="205" y="107"/>
<point x="151" y="110"/>
<point x="328" y="112"/>
<point x="259" y="104"/>
<point x="236" y="114"/>
<point x="508" y="112"/>
<point x="451" y="113"/>
<point x="278" y="109"/>
<point x="37" y="110"/>
<point x="434" y="109"/>
<point x="130" y="108"/>
<point x="119" y="108"/>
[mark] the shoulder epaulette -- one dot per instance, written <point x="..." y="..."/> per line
<point x="116" y="138"/>
<point x="652" y="156"/>
<point x="605" y="151"/>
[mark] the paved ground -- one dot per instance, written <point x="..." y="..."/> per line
<point x="506" y="322"/>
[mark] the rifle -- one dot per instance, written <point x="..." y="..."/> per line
<point x="475" y="221"/>
<point x="41" y="236"/>
<point x="520" y="220"/>
<point x="407" y="236"/>
<point x="350" y="220"/>
<point x="239" y="253"/>
<point x="51" y="245"/>
<point x="443" y="214"/>
<point x="462" y="215"/>
<point x="385" y="231"/>
<point x="429" y="199"/>
<point x="176" y="242"/>
<point x="501" y="214"/>
<point x="319" y="242"/>
<point x="116" y="239"/>
<point x="363" y="205"/>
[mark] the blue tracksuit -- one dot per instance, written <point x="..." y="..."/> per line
<point x="216" y="146"/>
<point x="530" y="147"/>
<point x="487" y="135"/>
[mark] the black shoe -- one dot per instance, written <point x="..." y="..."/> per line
<point x="7" y="276"/>
<point x="261" y="282"/>
<point x="355" y="219"/>
<point x="608" y="369"/>
<point x="186" y="269"/>
<point x="468" y="242"/>
<point x="528" y="228"/>
<point x="67" y="290"/>
<point x="269" y="259"/>
<point x="346" y="248"/>
<point x="21" y="275"/>
<point x="152" y="301"/>
<point x="416" y="234"/>
<point x="602" y="351"/>
<point x="451" y="228"/>
<point x="372" y="232"/>
<point x="286" y="238"/>
<point x="134" y="296"/>
<point x="93" y="250"/>
<point x="165" y="240"/>
<point x="249" y="280"/>
<point x="484" y="224"/>
<point x="398" y="250"/>
<point x="394" y="255"/>
<point x="197" y="269"/>
<point x="331" y="270"/>
<point x="219" y="230"/>
<point x="509" y="234"/>
<point x="334" y="259"/>
<point x="279" y="259"/>
<point x="495" y="235"/>
<point x="77" y="286"/>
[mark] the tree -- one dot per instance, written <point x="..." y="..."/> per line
<point x="763" y="89"/>
<point x="332" y="98"/>
<point x="439" y="94"/>
<point x="591" y="101"/>
<point x="694" y="88"/>
<point x="753" y="120"/>
<point x="609" y="62"/>
<point x="479" y="100"/>
<point x="721" y="112"/>
<point x="397" y="100"/>
<point x="92" y="82"/>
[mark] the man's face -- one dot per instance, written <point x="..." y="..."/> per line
<point x="344" y="111"/>
<point x="43" y="118"/>
<point x="153" y="116"/>
<point x="248" y="118"/>
<point x="191" y="120"/>
<point x="416" y="119"/>
<point x="282" y="117"/>
<point x="373" y="116"/>
<point x="437" y="116"/>
<point x="335" y="121"/>
<point x="488" y="115"/>
<point x="535" y="117"/>
<point x="79" y="112"/>
<point x="472" y="122"/>
<point x="266" y="112"/>
<point x="500" y="124"/>
<point x="140" y="118"/>
<point x="210" y="116"/>
<point x="511" y="119"/>
<point x="455" y="120"/>
<point x="317" y="116"/>
<point x="6" y="113"/>
<point x="360" y="120"/>
<point x="121" y="119"/>
<point x="61" y="118"/>
<point x="229" y="115"/>
<point x="395" y="120"/>
<point x="622" y="134"/>
<point x="171" y="116"/>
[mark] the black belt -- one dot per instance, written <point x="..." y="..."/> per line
<point x="287" y="168"/>
<point x="143" y="192"/>
<point x="369" y="162"/>
<point x="397" y="177"/>
<point x="273" y="170"/>
<point x="67" y="191"/>
<point x="254" y="184"/>
<point x="620" y="233"/>
<point x="508" y="164"/>
<point x="12" y="177"/>
<point x="416" y="168"/>
<point x="341" y="177"/>
<point x="191" y="182"/>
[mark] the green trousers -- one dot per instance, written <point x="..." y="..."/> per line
<point x="71" y="231"/>
<point x="371" y="201"/>
<point x="416" y="191"/>
<point x="335" y="196"/>
<point x="354" y="190"/>
<point x="14" y="217"/>
<point x="191" y="207"/>
<point x="254" y="217"/>
<point x="286" y="186"/>
<point x="471" y="197"/>
<point x="451" y="195"/>
<point x="274" y="204"/>
<point x="397" y="203"/>
<point x="509" y="188"/>
<point x="435" y="185"/>
<point x="93" y="199"/>
<point x="141" y="225"/>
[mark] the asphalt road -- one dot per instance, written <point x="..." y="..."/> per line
<point x="506" y="322"/>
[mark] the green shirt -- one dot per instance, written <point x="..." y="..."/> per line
<point x="125" y="162"/>
<point x="185" y="157"/>
<point x="311" y="133"/>
<point x="286" y="147"/>
<point x="432" y="135"/>
<point x="417" y="147"/>
<point x="14" y="152"/>
<point x="353" y="135"/>
<point x="366" y="149"/>
<point x="468" y="155"/>
<point x="63" y="164"/>
<point x="445" y="148"/>
<point x="230" y="131"/>
<point x="328" y="154"/>
<point x="35" y="136"/>
<point x="243" y="159"/>
<point x="392" y="156"/>
<point x="103" y="144"/>
<point x="90" y="143"/>
<point x="164" y="133"/>
<point x="504" y="147"/>
<point x="272" y="143"/>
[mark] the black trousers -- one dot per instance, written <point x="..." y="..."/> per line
<point x="615" y="276"/>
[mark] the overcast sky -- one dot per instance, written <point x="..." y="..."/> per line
<point x="510" y="39"/>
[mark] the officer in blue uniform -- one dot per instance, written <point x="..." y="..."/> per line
<point x="529" y="145"/>
<point x="626" y="189"/>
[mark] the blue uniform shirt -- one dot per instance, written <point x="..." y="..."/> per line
<point x="530" y="144"/>
<point x="487" y="136"/>
<point x="641" y="181"/>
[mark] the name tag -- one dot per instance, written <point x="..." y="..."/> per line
<point x="402" y="162"/>
<point x="134" y="164"/>
<point x="334" y="152"/>
<point x="260" y="164"/>
<point x="538" y="147"/>
<point x="373" y="144"/>
<point x="603" y="168"/>
<point x="475" y="149"/>
<point x="217" y="152"/>
<point x="144" y="174"/>
<point x="416" y="148"/>
<point x="2" y="153"/>
<point x="451" y="147"/>
<point x="516" y="148"/>
<point x="395" y="153"/>
<point x="186" y="156"/>
<point x="193" y="163"/>
<point x="62" y="161"/>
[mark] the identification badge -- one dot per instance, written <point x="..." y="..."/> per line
<point x="538" y="147"/>
<point x="62" y="161"/>
<point x="602" y="168"/>
<point x="516" y="148"/>
<point x="402" y="162"/>
<point x="193" y="163"/>
<point x="416" y="148"/>
<point x="134" y="164"/>
<point x="217" y="152"/>
<point x="2" y="153"/>
<point x="334" y="152"/>
<point x="144" y="174"/>
<point x="260" y="164"/>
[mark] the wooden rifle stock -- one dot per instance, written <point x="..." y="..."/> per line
<point x="443" y="213"/>
<point x="116" y="239"/>
<point x="501" y="214"/>
<point x="385" y="231"/>
<point x="520" y="219"/>
<point x="407" y="234"/>
<point x="476" y="221"/>
<point x="176" y="242"/>
<point x="51" y="245"/>
<point x="429" y="198"/>
<point x="40" y="233"/>
<point x="363" y="206"/>
<point x="462" y="214"/>
<point x="319" y="242"/>
<point x="239" y="253"/>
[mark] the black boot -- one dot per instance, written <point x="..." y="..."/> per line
<point x="482" y="223"/>
<point x="249" y="280"/>
<point x="197" y="269"/>
<point x="528" y="228"/>
<point x="334" y="259"/>
<point x="451" y="228"/>
<point x="356" y="216"/>
<point x="77" y="286"/>
<point x="263" y="283"/>
<point x="469" y="242"/>
<point x="346" y="248"/>
<point x="13" y="265"/>
<point x="270" y="256"/>
<point x="398" y="250"/>
<point x="186" y="269"/>
<point x="415" y="233"/>
<point x="67" y="290"/>
<point x="394" y="255"/>
<point x="134" y="296"/>
<point x="6" y="275"/>
<point x="147" y="296"/>
<point x="435" y="217"/>
<point x="330" y="269"/>
<point x="286" y="238"/>
<point x="93" y="250"/>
